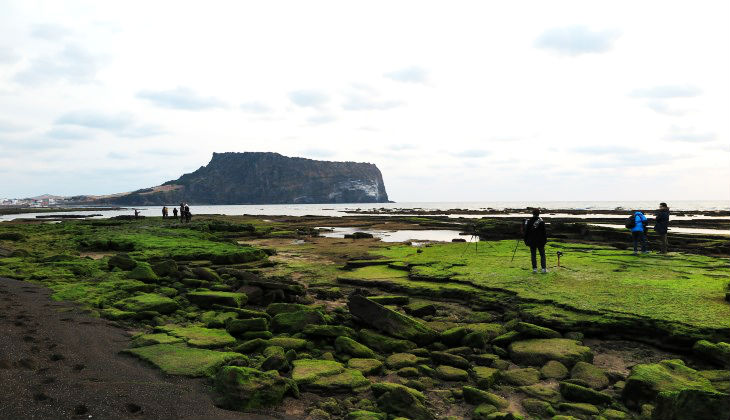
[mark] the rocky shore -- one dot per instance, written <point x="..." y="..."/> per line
<point x="281" y="323"/>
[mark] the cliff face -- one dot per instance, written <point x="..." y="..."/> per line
<point x="266" y="178"/>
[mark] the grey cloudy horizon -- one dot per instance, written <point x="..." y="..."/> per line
<point x="472" y="101"/>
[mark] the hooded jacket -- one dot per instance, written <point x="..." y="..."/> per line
<point x="640" y="220"/>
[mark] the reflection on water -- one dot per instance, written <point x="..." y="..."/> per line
<point x="398" y="235"/>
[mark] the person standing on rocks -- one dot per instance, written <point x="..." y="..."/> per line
<point x="637" y="224"/>
<point x="182" y="212"/>
<point x="174" y="212"/>
<point x="661" y="226"/>
<point x="164" y="212"/>
<point x="536" y="238"/>
<point x="188" y="215"/>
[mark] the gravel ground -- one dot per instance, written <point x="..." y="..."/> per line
<point x="58" y="363"/>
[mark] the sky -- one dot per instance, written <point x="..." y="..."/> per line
<point x="453" y="101"/>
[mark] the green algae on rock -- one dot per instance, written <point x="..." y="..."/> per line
<point x="179" y="359"/>
<point x="389" y="321"/>
<point x="578" y="393"/>
<point x="539" y="351"/>
<point x="400" y="402"/>
<point x="593" y="376"/>
<point x="718" y="353"/>
<point x="484" y="376"/>
<point x="520" y="376"/>
<point x="143" y="271"/>
<point x="207" y="299"/>
<point x="353" y="348"/>
<point x="294" y="322"/>
<point x="477" y="396"/>
<point x="554" y="370"/>
<point x="148" y="302"/>
<point x="143" y="340"/>
<point x="199" y="336"/>
<point x="384" y="343"/>
<point x="243" y="388"/>
<point x="366" y="366"/>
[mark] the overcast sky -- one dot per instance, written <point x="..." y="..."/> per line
<point x="452" y="100"/>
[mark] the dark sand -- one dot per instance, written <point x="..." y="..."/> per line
<point x="58" y="363"/>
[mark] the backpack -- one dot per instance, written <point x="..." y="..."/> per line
<point x="631" y="222"/>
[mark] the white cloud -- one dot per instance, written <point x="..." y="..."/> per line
<point x="73" y="64"/>
<point x="577" y="40"/>
<point x="413" y="74"/>
<point x="309" y="98"/>
<point x="181" y="98"/>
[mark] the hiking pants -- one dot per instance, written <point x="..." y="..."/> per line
<point x="639" y="236"/>
<point x="533" y="253"/>
<point x="663" y="243"/>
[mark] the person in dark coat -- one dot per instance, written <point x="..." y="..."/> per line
<point x="661" y="226"/>
<point x="174" y="212"/>
<point x="188" y="215"/>
<point x="536" y="238"/>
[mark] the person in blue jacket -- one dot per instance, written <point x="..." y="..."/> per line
<point x="638" y="232"/>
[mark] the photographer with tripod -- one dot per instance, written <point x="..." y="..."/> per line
<point x="536" y="238"/>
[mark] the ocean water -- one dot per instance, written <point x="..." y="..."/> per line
<point x="336" y="210"/>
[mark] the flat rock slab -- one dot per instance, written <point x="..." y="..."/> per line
<point x="537" y="352"/>
<point x="389" y="321"/>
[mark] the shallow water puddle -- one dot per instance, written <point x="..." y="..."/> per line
<point x="396" y="235"/>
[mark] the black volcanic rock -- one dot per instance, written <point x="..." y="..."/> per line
<point x="265" y="178"/>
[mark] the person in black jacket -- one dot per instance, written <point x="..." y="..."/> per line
<point x="536" y="238"/>
<point x="661" y="226"/>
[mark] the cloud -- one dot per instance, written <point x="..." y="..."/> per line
<point x="164" y="152"/>
<point x="604" y="150"/>
<point x="404" y="146"/>
<point x="413" y="74"/>
<point x="635" y="159"/>
<point x="180" y="98"/>
<point x="471" y="153"/>
<point x="118" y="155"/>
<point x="576" y="40"/>
<point x="321" y="119"/>
<point x="122" y="124"/>
<point x="667" y="91"/>
<point x="308" y="98"/>
<point x="255" y="108"/>
<point x="689" y="134"/>
<point x="72" y="64"/>
<point x="11" y="127"/>
<point x="359" y="102"/>
<point x="49" y="31"/>
<point x="662" y="107"/>
<point x="8" y="56"/>
<point x="69" y="133"/>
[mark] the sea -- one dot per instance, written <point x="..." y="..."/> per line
<point x="338" y="210"/>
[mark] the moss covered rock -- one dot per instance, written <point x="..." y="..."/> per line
<point x="148" y="302"/>
<point x="477" y="396"/>
<point x="539" y="351"/>
<point x="390" y="299"/>
<point x="400" y="402"/>
<point x="420" y="309"/>
<point x="199" y="336"/>
<point x="294" y="322"/>
<point x="365" y="415"/>
<point x="528" y="330"/>
<point x="206" y="274"/>
<point x="383" y="343"/>
<point x="718" y="353"/>
<point x="449" y="359"/>
<point x="207" y="299"/>
<point x="307" y="371"/>
<point x="520" y="377"/>
<point x="213" y="319"/>
<point x="482" y="411"/>
<point x="366" y="366"/>
<point x="678" y="391"/>
<point x="389" y="321"/>
<point x="554" y="370"/>
<point x="289" y="343"/>
<point x="329" y="331"/>
<point x="538" y="408"/>
<point x="280" y="307"/>
<point x="449" y="373"/>
<point x="240" y="326"/>
<point x="143" y="272"/>
<point x="580" y="410"/>
<point x="542" y="392"/>
<point x="484" y="376"/>
<point x="152" y="339"/>
<point x="593" y="376"/>
<point x="243" y="388"/>
<point x="122" y="261"/>
<point x="349" y="346"/>
<point x="400" y="360"/>
<point x="179" y="359"/>
<point x="165" y="268"/>
<point x="578" y="393"/>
